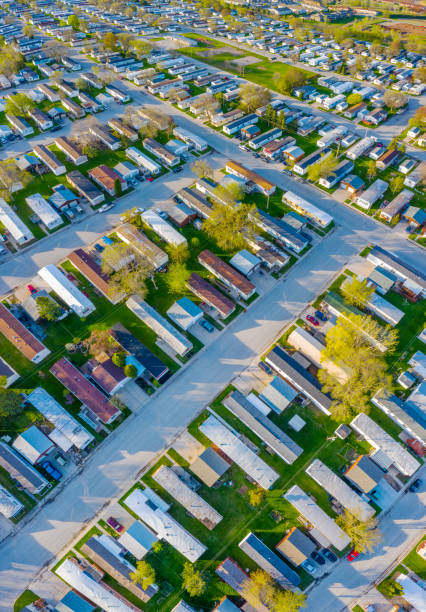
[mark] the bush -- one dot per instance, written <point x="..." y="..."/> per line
<point x="119" y="359"/>
<point x="130" y="370"/>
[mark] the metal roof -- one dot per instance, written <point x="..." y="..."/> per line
<point x="244" y="261"/>
<point x="164" y="525"/>
<point x="9" y="505"/>
<point x="238" y="452"/>
<point x="82" y="582"/>
<point x="380" y="439"/>
<point x="60" y="418"/>
<point x="317" y="517"/>
<point x="189" y="499"/>
<point x="407" y="414"/>
<point x="32" y="443"/>
<point x="161" y="227"/>
<point x="67" y="291"/>
<point x="14" y="224"/>
<point x="338" y="489"/>
<point x="226" y="273"/>
<point x="130" y="234"/>
<point x="138" y="539"/>
<point x="278" y="394"/>
<point x="165" y="330"/>
<point x="264" y="428"/>
<point x="385" y="258"/>
<point x="269" y="561"/>
<point x="20" y="470"/>
<point x="144" y="356"/>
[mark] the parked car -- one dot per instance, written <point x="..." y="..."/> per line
<point x="2" y="251"/>
<point x="308" y="567"/>
<point x="317" y="558"/>
<point x="415" y="485"/>
<point x="99" y="247"/>
<point x="320" y="315"/>
<point x="330" y="556"/>
<point x="53" y="472"/>
<point x="31" y="289"/>
<point x="115" y="524"/>
<point x="104" y="208"/>
<point x="265" y="367"/>
<point x="149" y="178"/>
<point x="312" y="320"/>
<point x="178" y="169"/>
<point x="207" y="325"/>
<point x="352" y="555"/>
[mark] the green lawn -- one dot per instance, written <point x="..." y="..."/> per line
<point x="25" y="599"/>
<point x="414" y="561"/>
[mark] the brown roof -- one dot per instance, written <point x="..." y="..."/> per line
<point x="205" y="291"/>
<point x="122" y="128"/>
<point x="68" y="147"/>
<point x="250" y="175"/>
<point x="47" y="156"/>
<point x="106" y="176"/>
<point x="90" y="268"/>
<point x="226" y="272"/>
<point x="19" y="335"/>
<point x="83" y="390"/>
<point x="107" y="375"/>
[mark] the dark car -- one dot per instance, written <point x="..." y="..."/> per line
<point x="415" y="485"/>
<point x="330" y="556"/>
<point x="207" y="325"/>
<point x="178" y="169"/>
<point x="320" y="315"/>
<point x="265" y="367"/>
<point x="53" y="472"/>
<point x="317" y="558"/>
<point x="115" y="524"/>
<point x="99" y="247"/>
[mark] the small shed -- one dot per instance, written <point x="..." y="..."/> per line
<point x="181" y="214"/>
<point x="343" y="431"/>
<point x="184" y="313"/>
<point x="209" y="466"/>
<point x="33" y="444"/>
<point x="138" y="540"/>
<point x="296" y="423"/>
<point x="245" y="262"/>
<point x="296" y="546"/>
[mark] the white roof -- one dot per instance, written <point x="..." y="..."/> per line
<point x="258" y="403"/>
<point x="418" y="363"/>
<point x="308" y="208"/>
<point x="9" y="505"/>
<point x="341" y="491"/>
<point x="138" y="539"/>
<point x="380" y="439"/>
<point x="44" y="211"/>
<point x="413" y="593"/>
<point x="142" y="160"/>
<point x="161" y="227"/>
<point x="385" y="310"/>
<point x="14" y="225"/>
<point x="73" y="575"/>
<point x="358" y="149"/>
<point x="236" y="450"/>
<point x="64" y="423"/>
<point x="244" y="261"/>
<point x="189" y="136"/>
<point x="67" y="291"/>
<point x="165" y="527"/>
<point x="32" y="443"/>
<point x="373" y="192"/>
<point x="146" y="313"/>
<point x="190" y="500"/>
<point x="317" y="517"/>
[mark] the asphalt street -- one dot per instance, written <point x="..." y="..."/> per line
<point x="115" y="465"/>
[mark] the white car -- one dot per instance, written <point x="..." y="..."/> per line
<point x="104" y="208"/>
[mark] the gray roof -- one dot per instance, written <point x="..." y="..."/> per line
<point x="138" y="539"/>
<point x="269" y="561"/>
<point x="303" y="380"/>
<point x="364" y="473"/>
<point x="20" y="470"/>
<point x="238" y="452"/>
<point x="296" y="546"/>
<point x="407" y="414"/>
<point x="263" y="427"/>
<point x="390" y="259"/>
<point x="209" y="466"/>
<point x="380" y="439"/>
<point x="278" y="394"/>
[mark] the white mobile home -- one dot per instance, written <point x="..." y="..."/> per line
<point x="14" y="225"/>
<point x="372" y="194"/>
<point x="66" y="290"/>
<point x="143" y="160"/>
<point x="162" y="228"/>
<point x="47" y="215"/>
<point x="191" y="139"/>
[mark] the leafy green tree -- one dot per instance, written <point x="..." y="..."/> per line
<point x="391" y="588"/>
<point x="192" y="580"/>
<point x="322" y="168"/>
<point x="371" y="169"/>
<point x="10" y="60"/>
<point x="353" y="99"/>
<point x="253" y="96"/>
<point x="294" y="77"/>
<point x="178" y="253"/>
<point x="10" y="402"/>
<point x="177" y="277"/>
<point x="19" y="103"/>
<point x="118" y="189"/>
<point x="47" y="308"/>
<point x="119" y="359"/>
<point x="364" y="535"/>
<point x="230" y="226"/>
<point x="144" y="574"/>
<point x="256" y="496"/>
<point x="259" y="589"/>
<point x="130" y="370"/>
<point x="396" y="184"/>
<point x="110" y="41"/>
<point x="202" y="169"/>
<point x="74" y="22"/>
<point x="81" y="84"/>
<point x="356" y="292"/>
<point x="288" y="601"/>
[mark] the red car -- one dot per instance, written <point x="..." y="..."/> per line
<point x="115" y="524"/>
<point x="31" y="289"/>
<point x="149" y="178"/>
<point x="312" y="320"/>
<point x="352" y="555"/>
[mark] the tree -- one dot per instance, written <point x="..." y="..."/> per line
<point x="178" y="253"/>
<point x="118" y="189"/>
<point x="288" y="601"/>
<point x="100" y="341"/>
<point x="394" y="99"/>
<point x="10" y="60"/>
<point x="231" y="225"/>
<point x="19" y="103"/>
<point x="391" y="588"/>
<point x="252" y="96"/>
<point x="74" y="22"/>
<point x="28" y="30"/>
<point x="144" y="574"/>
<point x="119" y="359"/>
<point x="364" y="535"/>
<point x="127" y="270"/>
<point x="110" y="41"/>
<point x="294" y="77"/>
<point x="130" y="370"/>
<point x="81" y="84"/>
<point x="259" y="590"/>
<point x="371" y="169"/>
<point x="202" y="169"/>
<point x="419" y="117"/>
<point x="10" y="403"/>
<point x="356" y="292"/>
<point x="192" y="580"/>
<point x="177" y="277"/>
<point x="55" y="49"/>
<point x="256" y="496"/>
<point x="420" y="74"/>
<point x="353" y="99"/>
<point x="396" y="184"/>
<point x="322" y="168"/>
<point x="281" y="122"/>
<point x="12" y="178"/>
<point x="125" y="41"/>
<point x="47" y="308"/>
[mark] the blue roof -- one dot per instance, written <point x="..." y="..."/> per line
<point x="354" y="181"/>
<point x="189" y="306"/>
<point x="142" y="535"/>
<point x="37" y="439"/>
<point x="74" y="603"/>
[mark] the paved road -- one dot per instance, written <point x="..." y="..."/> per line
<point x="401" y="528"/>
